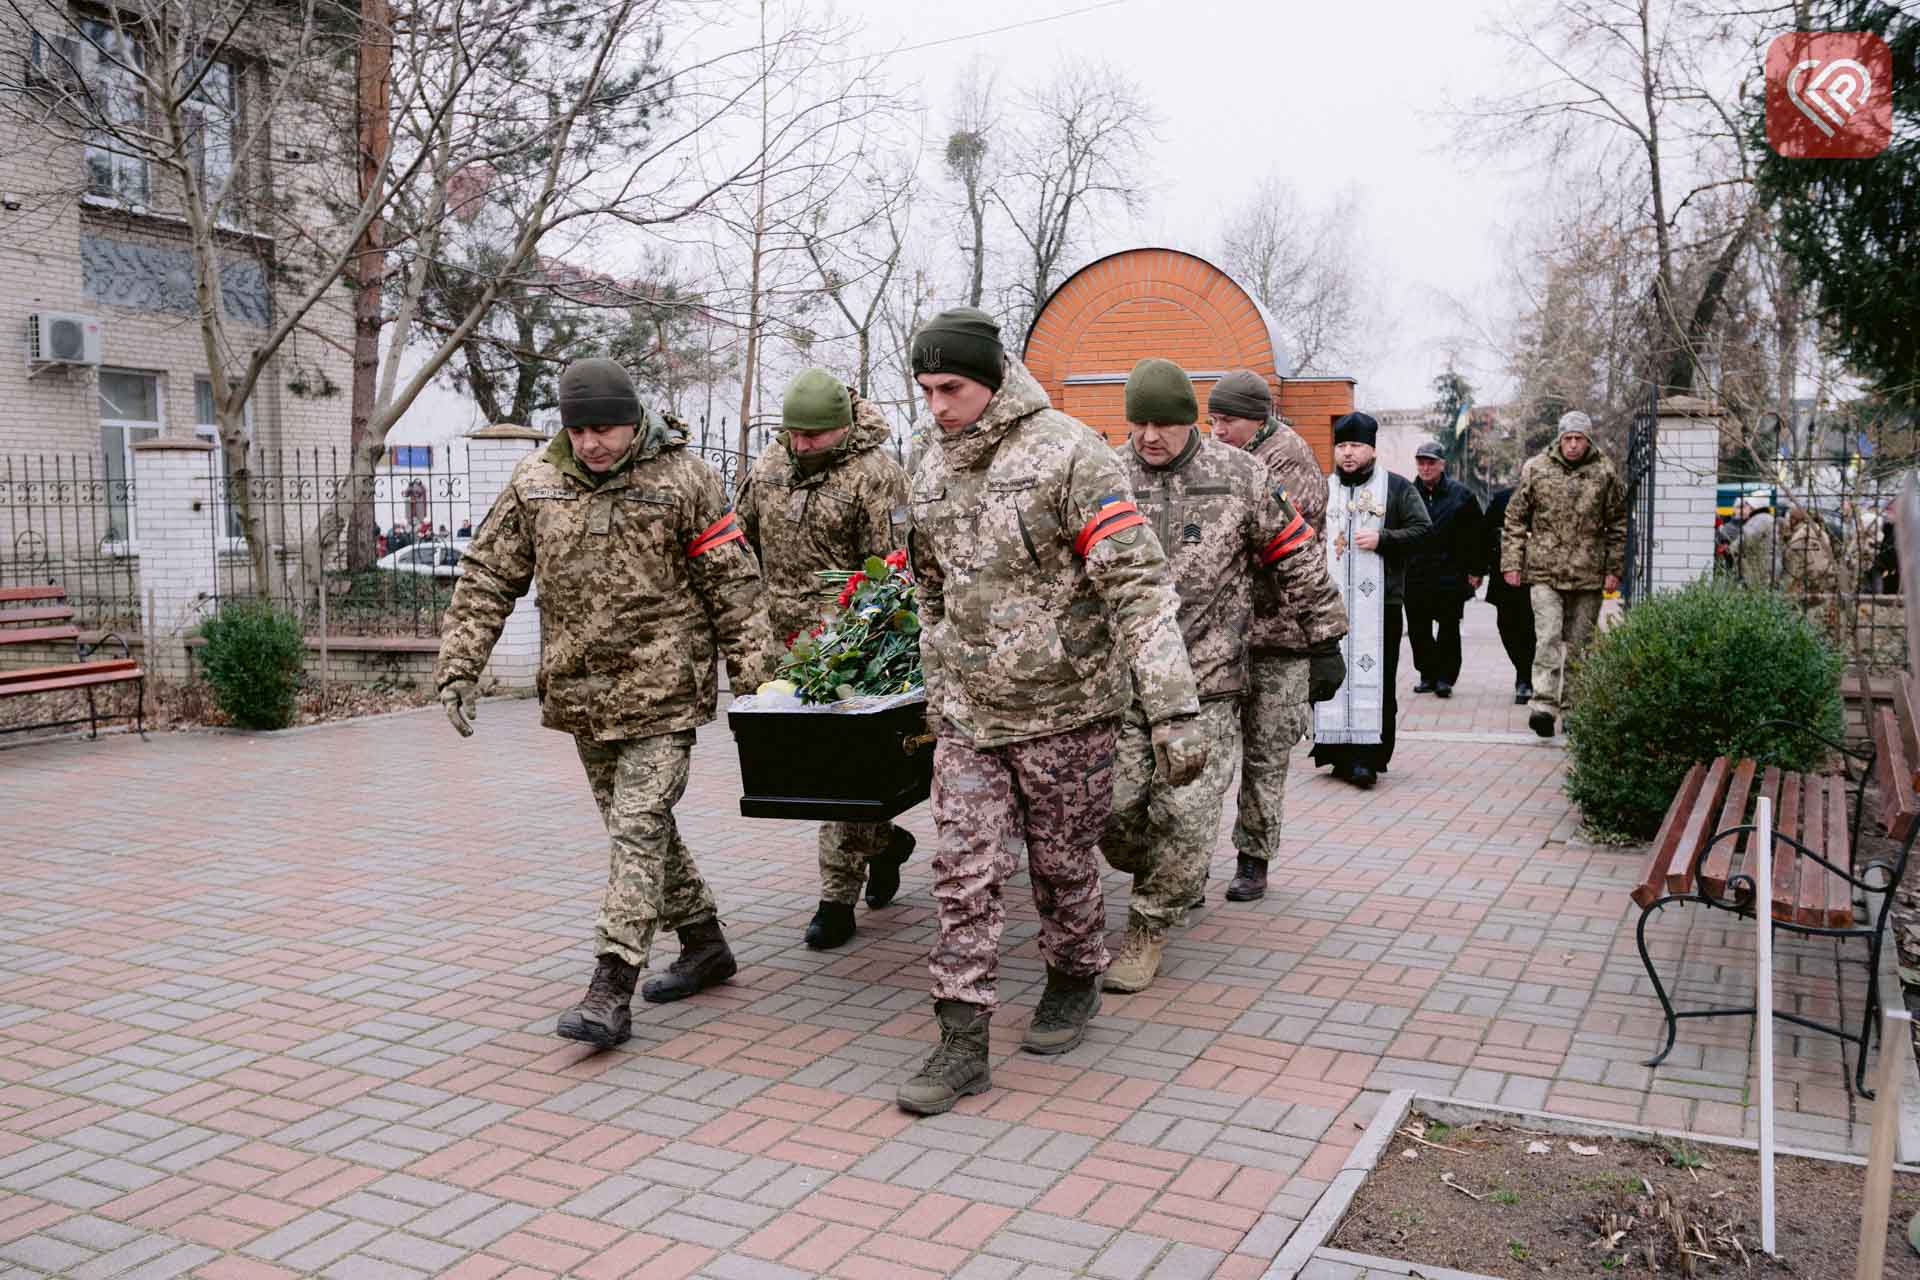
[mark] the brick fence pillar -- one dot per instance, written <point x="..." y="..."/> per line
<point x="173" y="525"/>
<point x="492" y="454"/>
<point x="1686" y="480"/>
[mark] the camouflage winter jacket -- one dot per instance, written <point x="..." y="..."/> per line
<point x="1224" y="527"/>
<point x="1566" y="524"/>
<point x="835" y="518"/>
<point x="639" y="576"/>
<point x="1290" y="611"/>
<point x="1030" y="558"/>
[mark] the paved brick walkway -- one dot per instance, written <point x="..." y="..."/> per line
<point x="281" y="1006"/>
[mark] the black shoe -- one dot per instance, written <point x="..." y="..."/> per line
<point x="1361" y="776"/>
<point x="1425" y="686"/>
<point x="1541" y="722"/>
<point x="831" y="926"/>
<point x="705" y="961"/>
<point x="1443" y="689"/>
<point x="883" y="871"/>
<point x="1522" y="693"/>
<point x="1066" y="1006"/>
<point x="604" y="1015"/>
<point x="1249" y="880"/>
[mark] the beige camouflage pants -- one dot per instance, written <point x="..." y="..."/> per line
<point x="1563" y="623"/>
<point x="844" y="850"/>
<point x="1273" y="719"/>
<point x="1054" y="793"/>
<point x="1165" y="835"/>
<point x="651" y="879"/>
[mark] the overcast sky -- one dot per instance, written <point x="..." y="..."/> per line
<point x="1327" y="95"/>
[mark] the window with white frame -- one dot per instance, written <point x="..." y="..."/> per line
<point x="129" y="413"/>
<point x="211" y="113"/>
<point x="110" y="64"/>
<point x="207" y="427"/>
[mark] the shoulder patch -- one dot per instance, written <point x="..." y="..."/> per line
<point x="549" y="492"/>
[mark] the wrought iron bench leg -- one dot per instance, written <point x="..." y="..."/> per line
<point x="1870" y="1021"/>
<point x="1666" y="1005"/>
<point x="93" y="716"/>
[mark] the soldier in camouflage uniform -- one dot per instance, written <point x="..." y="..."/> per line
<point x="642" y="573"/>
<point x="828" y="499"/>
<point x="1566" y="537"/>
<point x="1223" y="524"/>
<point x="1042" y="590"/>
<point x="1295" y="638"/>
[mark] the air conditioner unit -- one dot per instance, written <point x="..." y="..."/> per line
<point x="62" y="337"/>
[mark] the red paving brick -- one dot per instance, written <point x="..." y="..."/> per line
<point x="328" y="991"/>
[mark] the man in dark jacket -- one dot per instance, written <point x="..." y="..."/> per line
<point x="1512" y="606"/>
<point x="1374" y="520"/>
<point x="1442" y="573"/>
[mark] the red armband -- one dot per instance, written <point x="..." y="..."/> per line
<point x="1115" y="514"/>
<point x="1296" y="535"/>
<point x="725" y="529"/>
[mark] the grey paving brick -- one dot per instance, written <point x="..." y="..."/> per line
<point x="430" y="1256"/>
<point x="367" y="1207"/>
<point x="45" y="1253"/>
<point x="1128" y="1257"/>
<point x="92" y="1232"/>
<point x="739" y="1266"/>
<point x="493" y="1224"/>
<point x="331" y="1247"/>
<point x="175" y="1263"/>
<point x="737" y="1213"/>
<point x="414" y="1190"/>
<point x="300" y="1231"/>
<point x="679" y="1226"/>
<point x="361" y="1266"/>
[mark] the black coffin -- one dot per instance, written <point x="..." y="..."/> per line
<point x="844" y="765"/>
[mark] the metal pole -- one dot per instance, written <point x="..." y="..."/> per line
<point x="1763" y="1004"/>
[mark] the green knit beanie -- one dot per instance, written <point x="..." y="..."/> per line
<point x="964" y="340"/>
<point x="1159" y="391"/>
<point x="597" y="392"/>
<point x="816" y="401"/>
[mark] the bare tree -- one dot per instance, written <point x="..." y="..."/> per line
<point x="1638" y="88"/>
<point x="1302" y="266"/>
<point x="1080" y="145"/>
<point x="970" y="159"/>
<point x="857" y="255"/>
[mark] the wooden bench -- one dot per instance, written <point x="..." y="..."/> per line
<point x="41" y="615"/>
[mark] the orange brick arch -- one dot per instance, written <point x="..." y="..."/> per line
<point x="1128" y="306"/>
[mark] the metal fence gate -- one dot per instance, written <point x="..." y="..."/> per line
<point x="1642" y="449"/>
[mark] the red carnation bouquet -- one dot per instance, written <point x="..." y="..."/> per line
<point x="872" y="646"/>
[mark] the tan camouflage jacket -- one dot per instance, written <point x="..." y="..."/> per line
<point x="640" y="578"/>
<point x="833" y="519"/>
<point x="1030" y="558"/>
<point x="1567" y="522"/>
<point x="1292" y="611"/>
<point x="1224" y="527"/>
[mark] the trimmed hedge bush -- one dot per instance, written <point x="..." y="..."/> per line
<point x="1685" y="677"/>
<point x="253" y="659"/>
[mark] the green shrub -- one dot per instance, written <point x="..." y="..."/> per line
<point x="252" y="659"/>
<point x="1685" y="677"/>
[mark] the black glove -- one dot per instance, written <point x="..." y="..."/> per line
<point x="1326" y="671"/>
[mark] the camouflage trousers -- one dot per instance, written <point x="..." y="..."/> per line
<point x="651" y="879"/>
<point x="1273" y="718"/>
<point x="844" y="850"/>
<point x="1054" y="794"/>
<point x="1563" y="623"/>
<point x="1165" y="835"/>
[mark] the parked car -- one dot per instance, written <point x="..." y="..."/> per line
<point x="434" y="558"/>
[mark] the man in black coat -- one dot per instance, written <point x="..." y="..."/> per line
<point x="1443" y="573"/>
<point x="1512" y="605"/>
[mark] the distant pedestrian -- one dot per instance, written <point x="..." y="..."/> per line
<point x="1442" y="573"/>
<point x="1374" y="520"/>
<point x="1565" y="536"/>
<point x="1513" y="607"/>
<point x="1753" y="551"/>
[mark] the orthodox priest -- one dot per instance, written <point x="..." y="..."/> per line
<point x="1374" y="520"/>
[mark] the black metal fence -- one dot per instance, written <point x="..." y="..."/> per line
<point x="67" y="520"/>
<point x="350" y="556"/>
<point x="1643" y="442"/>
<point x="1817" y="530"/>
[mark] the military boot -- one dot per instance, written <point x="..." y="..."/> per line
<point x="958" y="1064"/>
<point x="1249" y="880"/>
<point x="1139" y="957"/>
<point x="1060" y="1020"/>
<point x="704" y="962"/>
<point x="605" y="1015"/>
<point x="883" y="869"/>
<point x="831" y="926"/>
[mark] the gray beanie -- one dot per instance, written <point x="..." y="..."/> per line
<point x="1241" y="394"/>
<point x="1576" y="423"/>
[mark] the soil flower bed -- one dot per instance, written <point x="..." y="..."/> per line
<point x="1505" y="1201"/>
